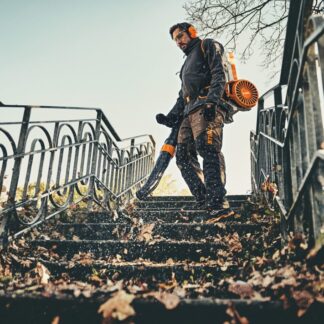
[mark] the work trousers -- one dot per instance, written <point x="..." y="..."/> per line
<point x="198" y="135"/>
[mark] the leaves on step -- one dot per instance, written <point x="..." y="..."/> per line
<point x="42" y="273"/>
<point x="251" y="264"/>
<point x="236" y="318"/>
<point x="169" y="300"/>
<point x="146" y="233"/>
<point x="118" y="306"/>
<point x="243" y="289"/>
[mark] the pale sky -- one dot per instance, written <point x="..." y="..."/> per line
<point x="116" y="55"/>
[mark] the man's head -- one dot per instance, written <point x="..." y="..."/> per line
<point x="182" y="34"/>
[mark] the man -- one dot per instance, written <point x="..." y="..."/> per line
<point x="201" y="129"/>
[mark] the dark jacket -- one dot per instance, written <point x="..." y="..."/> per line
<point x="202" y="75"/>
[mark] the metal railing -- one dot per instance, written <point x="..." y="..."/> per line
<point x="287" y="149"/>
<point x="47" y="166"/>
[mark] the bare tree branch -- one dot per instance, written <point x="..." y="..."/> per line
<point x="249" y="22"/>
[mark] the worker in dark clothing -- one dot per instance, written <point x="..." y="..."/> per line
<point x="199" y="107"/>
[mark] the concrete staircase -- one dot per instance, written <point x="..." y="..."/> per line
<point x="157" y="245"/>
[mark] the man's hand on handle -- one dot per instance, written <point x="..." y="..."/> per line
<point x="168" y="121"/>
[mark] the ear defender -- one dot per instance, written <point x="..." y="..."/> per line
<point x="192" y="32"/>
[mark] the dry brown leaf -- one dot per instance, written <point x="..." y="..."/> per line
<point x="303" y="300"/>
<point x="320" y="299"/>
<point x="170" y="301"/>
<point x="170" y="261"/>
<point x="276" y="255"/>
<point x="235" y="316"/>
<point x="95" y="279"/>
<point x="267" y="281"/>
<point x="241" y="288"/>
<point x="43" y="273"/>
<point x="260" y="261"/>
<point x="83" y="258"/>
<point x="168" y="285"/>
<point x="291" y="281"/>
<point x="146" y="233"/>
<point x="118" y="306"/>
<point x="56" y="320"/>
<point x="269" y="186"/>
<point x="220" y="225"/>
<point x="233" y="240"/>
<point x="26" y="263"/>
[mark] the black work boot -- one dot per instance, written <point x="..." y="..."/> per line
<point x="219" y="210"/>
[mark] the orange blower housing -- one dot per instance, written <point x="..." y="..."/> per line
<point x="242" y="92"/>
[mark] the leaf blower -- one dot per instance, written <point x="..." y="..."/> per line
<point x="166" y="154"/>
<point x="240" y="94"/>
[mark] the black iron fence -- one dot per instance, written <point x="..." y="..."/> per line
<point x="47" y="166"/>
<point x="287" y="149"/>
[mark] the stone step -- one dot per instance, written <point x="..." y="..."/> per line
<point x="97" y="217"/>
<point x="179" y="204"/>
<point x="152" y="273"/>
<point x="182" y="216"/>
<point x="190" y="198"/>
<point x="174" y="231"/>
<point x="154" y="215"/>
<point x="40" y="309"/>
<point x="131" y="250"/>
<point x="154" y="250"/>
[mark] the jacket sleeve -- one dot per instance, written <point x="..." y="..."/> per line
<point x="177" y="110"/>
<point x="213" y="55"/>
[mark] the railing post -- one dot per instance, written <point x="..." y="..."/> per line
<point x="121" y="172"/>
<point x="94" y="160"/>
<point x="130" y="165"/>
<point x="15" y="173"/>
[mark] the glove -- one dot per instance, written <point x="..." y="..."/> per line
<point x="224" y="105"/>
<point x="209" y="112"/>
<point x="165" y="120"/>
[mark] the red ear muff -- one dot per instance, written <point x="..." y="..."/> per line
<point x="192" y="32"/>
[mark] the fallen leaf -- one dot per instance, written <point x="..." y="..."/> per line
<point x="291" y="281"/>
<point x="241" y="288"/>
<point x="233" y="240"/>
<point x="276" y="255"/>
<point x="26" y="263"/>
<point x="146" y="233"/>
<point x="169" y="261"/>
<point x="43" y="273"/>
<point x="56" y="320"/>
<point x="267" y="281"/>
<point x="169" y="300"/>
<point x="118" y="306"/>
<point x="303" y="300"/>
<point x="95" y="279"/>
<point x="235" y="316"/>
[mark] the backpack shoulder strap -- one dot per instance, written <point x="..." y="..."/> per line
<point x="219" y="47"/>
<point x="202" y="47"/>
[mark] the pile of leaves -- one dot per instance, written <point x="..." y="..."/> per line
<point x="291" y="274"/>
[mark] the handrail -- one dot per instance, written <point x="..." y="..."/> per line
<point x="287" y="147"/>
<point x="56" y="163"/>
<point x="104" y="118"/>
